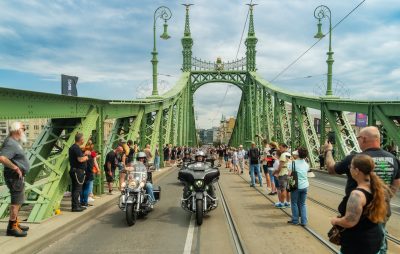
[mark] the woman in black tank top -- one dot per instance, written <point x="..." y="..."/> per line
<point x="364" y="210"/>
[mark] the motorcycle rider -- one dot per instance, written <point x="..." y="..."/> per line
<point x="200" y="157"/>
<point x="140" y="166"/>
<point x="187" y="158"/>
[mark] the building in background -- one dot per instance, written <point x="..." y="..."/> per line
<point x="33" y="127"/>
<point x="225" y="130"/>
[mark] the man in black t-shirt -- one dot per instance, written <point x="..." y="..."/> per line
<point x="254" y="158"/>
<point x="386" y="164"/>
<point x="110" y="165"/>
<point x="77" y="161"/>
<point x="131" y="154"/>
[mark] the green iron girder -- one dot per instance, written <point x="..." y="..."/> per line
<point x="199" y="78"/>
<point x="306" y="132"/>
<point x="49" y="176"/>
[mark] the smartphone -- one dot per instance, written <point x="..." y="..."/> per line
<point x="331" y="137"/>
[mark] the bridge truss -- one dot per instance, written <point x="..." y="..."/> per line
<point x="264" y="110"/>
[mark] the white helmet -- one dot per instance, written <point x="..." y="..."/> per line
<point x="200" y="153"/>
<point x="141" y="155"/>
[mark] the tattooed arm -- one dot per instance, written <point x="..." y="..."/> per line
<point x="354" y="210"/>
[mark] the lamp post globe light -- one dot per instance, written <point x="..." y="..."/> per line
<point x="322" y="12"/>
<point x="164" y="13"/>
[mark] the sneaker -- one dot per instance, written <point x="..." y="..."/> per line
<point x="287" y="205"/>
<point x="78" y="209"/>
<point x="271" y="193"/>
<point x="251" y="185"/>
<point x="279" y="205"/>
<point x="90" y="199"/>
<point x="292" y="222"/>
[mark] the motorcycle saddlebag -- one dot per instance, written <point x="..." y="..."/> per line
<point x="157" y="192"/>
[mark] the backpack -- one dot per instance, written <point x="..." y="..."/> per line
<point x="293" y="180"/>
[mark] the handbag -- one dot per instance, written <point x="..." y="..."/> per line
<point x="335" y="234"/>
<point x="293" y="180"/>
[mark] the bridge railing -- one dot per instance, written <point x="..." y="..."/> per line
<point x="202" y="65"/>
<point x="299" y="128"/>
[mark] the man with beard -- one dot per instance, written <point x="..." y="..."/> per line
<point x="16" y="165"/>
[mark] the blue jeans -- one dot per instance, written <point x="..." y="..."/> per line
<point x="149" y="190"/>
<point x="157" y="162"/>
<point x="91" y="187"/>
<point x="256" y="168"/>
<point x="298" y="199"/>
<point x="271" y="176"/>
<point x="383" y="249"/>
<point x="86" y="191"/>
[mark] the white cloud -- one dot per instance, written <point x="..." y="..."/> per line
<point x="108" y="43"/>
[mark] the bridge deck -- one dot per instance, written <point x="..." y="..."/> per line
<point x="261" y="227"/>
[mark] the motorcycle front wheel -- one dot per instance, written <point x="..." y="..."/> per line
<point x="199" y="211"/>
<point x="131" y="215"/>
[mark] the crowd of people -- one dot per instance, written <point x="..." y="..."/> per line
<point x="373" y="178"/>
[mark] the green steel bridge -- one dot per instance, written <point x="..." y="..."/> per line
<point x="169" y="118"/>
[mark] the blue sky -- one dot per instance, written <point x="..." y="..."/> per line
<point x="108" y="43"/>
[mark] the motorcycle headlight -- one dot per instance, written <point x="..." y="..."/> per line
<point x="191" y="187"/>
<point x="133" y="184"/>
<point x="199" y="183"/>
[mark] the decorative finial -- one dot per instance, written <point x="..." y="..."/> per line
<point x="187" y="23"/>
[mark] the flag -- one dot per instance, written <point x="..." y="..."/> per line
<point x="68" y="85"/>
<point x="317" y="125"/>
<point x="361" y="120"/>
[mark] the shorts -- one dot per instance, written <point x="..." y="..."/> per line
<point x="17" y="190"/>
<point x="283" y="180"/>
<point x="110" y="178"/>
<point x="226" y="158"/>
<point x="265" y="168"/>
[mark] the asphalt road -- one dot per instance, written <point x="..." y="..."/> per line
<point x="165" y="230"/>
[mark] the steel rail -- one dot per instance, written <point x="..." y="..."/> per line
<point x="308" y="229"/>
<point x="388" y="236"/>
<point x="239" y="246"/>
<point x="341" y="194"/>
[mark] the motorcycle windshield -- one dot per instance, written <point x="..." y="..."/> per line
<point x="197" y="166"/>
<point x="135" y="178"/>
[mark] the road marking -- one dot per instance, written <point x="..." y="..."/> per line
<point x="189" y="237"/>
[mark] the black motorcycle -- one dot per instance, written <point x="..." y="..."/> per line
<point x="198" y="193"/>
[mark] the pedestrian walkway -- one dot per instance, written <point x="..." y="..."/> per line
<point x="41" y="235"/>
<point x="264" y="228"/>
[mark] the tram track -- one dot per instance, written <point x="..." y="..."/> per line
<point x="237" y="240"/>
<point x="308" y="229"/>
<point x="388" y="236"/>
<point x="341" y="194"/>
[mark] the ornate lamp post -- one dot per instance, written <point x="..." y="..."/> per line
<point x="322" y="12"/>
<point x="165" y="14"/>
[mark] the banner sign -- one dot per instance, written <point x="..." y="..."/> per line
<point x="361" y="120"/>
<point x="68" y="85"/>
<point x="317" y="125"/>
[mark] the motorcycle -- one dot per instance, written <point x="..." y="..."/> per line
<point x="134" y="200"/>
<point x="199" y="178"/>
